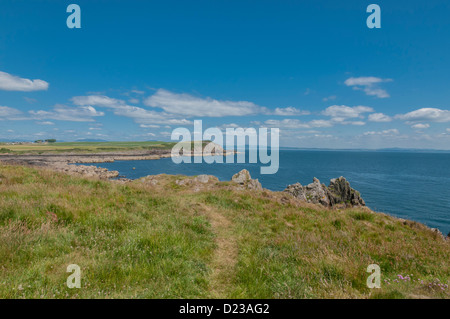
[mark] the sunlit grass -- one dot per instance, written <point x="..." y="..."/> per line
<point x="83" y="147"/>
<point x="166" y="241"/>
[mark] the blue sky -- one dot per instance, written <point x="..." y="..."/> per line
<point x="138" y="69"/>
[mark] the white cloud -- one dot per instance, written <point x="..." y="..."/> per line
<point x="234" y="125"/>
<point x="97" y="100"/>
<point x="45" y="123"/>
<point x="297" y="124"/>
<point x="369" y="85"/>
<point x="342" y="112"/>
<point x="188" y="105"/>
<point x="320" y="123"/>
<point x="10" y="82"/>
<point x="66" y="113"/>
<point x="30" y="100"/>
<point x="363" y="81"/>
<point x="448" y="130"/>
<point x="379" y="117"/>
<point x="316" y="136"/>
<point x="389" y="132"/>
<point x="357" y="123"/>
<point x="7" y="112"/>
<point x="286" y="123"/>
<point x="329" y="98"/>
<point x="426" y="115"/>
<point x="288" y="111"/>
<point x="149" y="126"/>
<point x="420" y="126"/>
<point x="138" y="114"/>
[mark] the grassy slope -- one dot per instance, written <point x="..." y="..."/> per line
<point x="167" y="241"/>
<point x="83" y="147"/>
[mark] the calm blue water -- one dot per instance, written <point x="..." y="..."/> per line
<point x="409" y="185"/>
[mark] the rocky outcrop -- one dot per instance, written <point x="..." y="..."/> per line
<point x="244" y="179"/>
<point x="338" y="192"/>
<point x="342" y="193"/>
<point x="84" y="170"/>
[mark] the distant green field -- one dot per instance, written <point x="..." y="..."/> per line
<point x="83" y="147"/>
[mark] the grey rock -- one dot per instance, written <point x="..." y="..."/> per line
<point x="205" y="178"/>
<point x="342" y="193"/>
<point x="317" y="193"/>
<point x="297" y="191"/>
<point x="244" y="179"/>
<point x="183" y="182"/>
<point x="338" y="192"/>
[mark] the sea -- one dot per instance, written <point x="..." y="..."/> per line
<point x="407" y="184"/>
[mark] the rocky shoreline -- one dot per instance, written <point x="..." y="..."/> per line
<point x="339" y="193"/>
<point x="62" y="162"/>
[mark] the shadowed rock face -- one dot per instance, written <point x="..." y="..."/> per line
<point x="342" y="193"/>
<point x="338" y="192"/>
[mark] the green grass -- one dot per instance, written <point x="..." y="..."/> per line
<point x="140" y="240"/>
<point x="83" y="147"/>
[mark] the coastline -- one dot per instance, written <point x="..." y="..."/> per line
<point x="104" y="223"/>
<point x="62" y="162"/>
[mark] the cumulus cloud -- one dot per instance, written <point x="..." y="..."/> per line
<point x="379" y="117"/>
<point x="66" y="113"/>
<point x="7" y="112"/>
<point x="9" y="82"/>
<point x="420" y="126"/>
<point x="389" y="132"/>
<point x="426" y="115"/>
<point x="138" y="114"/>
<point x="149" y="126"/>
<point x="97" y="100"/>
<point x="369" y="85"/>
<point x="188" y="105"/>
<point x="288" y="111"/>
<point x="297" y="124"/>
<point x="339" y="112"/>
<point x="320" y="123"/>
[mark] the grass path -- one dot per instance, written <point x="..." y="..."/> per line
<point x="225" y="255"/>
